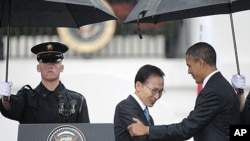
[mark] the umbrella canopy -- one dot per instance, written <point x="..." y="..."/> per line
<point x="154" y="11"/>
<point x="53" y="13"/>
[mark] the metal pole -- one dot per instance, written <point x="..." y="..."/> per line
<point x="5" y="98"/>
<point x="234" y="42"/>
<point x="235" y="46"/>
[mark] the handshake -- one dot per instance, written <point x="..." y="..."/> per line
<point x="238" y="82"/>
<point x="5" y="89"/>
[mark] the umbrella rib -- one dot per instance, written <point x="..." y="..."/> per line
<point x="75" y="20"/>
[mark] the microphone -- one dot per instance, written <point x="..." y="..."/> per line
<point x="61" y="107"/>
<point x="73" y="104"/>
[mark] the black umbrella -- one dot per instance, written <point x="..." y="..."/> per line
<point x="155" y="11"/>
<point x="52" y="13"/>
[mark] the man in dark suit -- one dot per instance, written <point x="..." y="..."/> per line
<point x="149" y="87"/>
<point x="216" y="107"/>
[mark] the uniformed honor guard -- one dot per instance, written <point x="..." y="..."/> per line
<point x="50" y="101"/>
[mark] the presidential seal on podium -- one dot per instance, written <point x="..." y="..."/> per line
<point x="66" y="133"/>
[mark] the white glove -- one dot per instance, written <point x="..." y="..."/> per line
<point x="5" y="88"/>
<point x="238" y="81"/>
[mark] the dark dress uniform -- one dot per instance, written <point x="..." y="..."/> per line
<point x="245" y="113"/>
<point x="40" y="105"/>
<point x="43" y="106"/>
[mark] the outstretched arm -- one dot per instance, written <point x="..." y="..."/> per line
<point x="138" y="128"/>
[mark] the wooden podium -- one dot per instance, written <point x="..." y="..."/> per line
<point x="66" y="132"/>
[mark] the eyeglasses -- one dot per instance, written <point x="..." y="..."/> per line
<point x="155" y="91"/>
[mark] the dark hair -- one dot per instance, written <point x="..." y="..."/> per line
<point x="202" y="51"/>
<point x="146" y="71"/>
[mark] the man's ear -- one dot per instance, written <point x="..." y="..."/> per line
<point x="62" y="68"/>
<point x="202" y="63"/>
<point x="138" y="85"/>
<point x="38" y="68"/>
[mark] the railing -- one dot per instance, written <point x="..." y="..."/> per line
<point x="119" y="46"/>
<point x="124" y="43"/>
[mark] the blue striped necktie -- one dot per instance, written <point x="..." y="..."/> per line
<point x="146" y="113"/>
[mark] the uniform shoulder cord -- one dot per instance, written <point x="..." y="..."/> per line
<point x="29" y="87"/>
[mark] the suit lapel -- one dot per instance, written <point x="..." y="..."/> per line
<point x="140" y="111"/>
